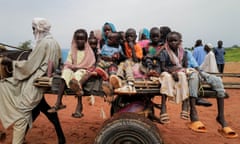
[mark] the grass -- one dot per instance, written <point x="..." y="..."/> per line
<point x="232" y="55"/>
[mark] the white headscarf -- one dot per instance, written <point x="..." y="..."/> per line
<point x="41" y="28"/>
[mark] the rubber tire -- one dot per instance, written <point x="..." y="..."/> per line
<point x="128" y="128"/>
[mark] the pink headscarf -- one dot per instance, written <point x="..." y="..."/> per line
<point x="88" y="59"/>
<point x="177" y="60"/>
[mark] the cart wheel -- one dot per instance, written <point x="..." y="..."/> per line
<point x="128" y="128"/>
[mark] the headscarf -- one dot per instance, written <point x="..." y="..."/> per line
<point x="88" y="59"/>
<point x="177" y="60"/>
<point x="144" y="31"/>
<point x="112" y="28"/>
<point x="41" y="28"/>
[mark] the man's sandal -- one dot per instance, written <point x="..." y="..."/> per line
<point x="55" y="108"/>
<point x="77" y="115"/>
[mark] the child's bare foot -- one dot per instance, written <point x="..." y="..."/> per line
<point x="75" y="86"/>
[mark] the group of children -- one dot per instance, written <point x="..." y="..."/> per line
<point x="118" y="56"/>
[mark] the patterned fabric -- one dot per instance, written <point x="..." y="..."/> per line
<point x="176" y="60"/>
<point x="125" y="70"/>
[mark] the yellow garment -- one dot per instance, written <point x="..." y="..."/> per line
<point x="68" y="74"/>
<point x="80" y="55"/>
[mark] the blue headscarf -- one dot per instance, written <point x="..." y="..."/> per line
<point x="146" y="32"/>
<point x="112" y="28"/>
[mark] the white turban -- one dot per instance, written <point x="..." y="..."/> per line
<point x="210" y="45"/>
<point x="41" y="28"/>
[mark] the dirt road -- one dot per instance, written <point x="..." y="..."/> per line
<point x="83" y="131"/>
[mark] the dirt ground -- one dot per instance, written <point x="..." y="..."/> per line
<point x="83" y="131"/>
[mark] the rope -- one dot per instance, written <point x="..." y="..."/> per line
<point x="1" y="69"/>
<point x="13" y="47"/>
<point x="7" y="70"/>
<point x="21" y="54"/>
<point x="201" y="89"/>
<point x="200" y="83"/>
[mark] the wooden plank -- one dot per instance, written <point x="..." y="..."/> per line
<point x="231" y="83"/>
<point x="226" y="74"/>
<point x="232" y="86"/>
<point x="41" y="85"/>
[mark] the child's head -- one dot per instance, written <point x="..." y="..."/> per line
<point x="93" y="42"/>
<point x="107" y="28"/>
<point x="113" y="39"/>
<point x="80" y="38"/>
<point x="174" y="39"/>
<point x="164" y="30"/>
<point x="91" y="34"/>
<point x="144" y="34"/>
<point x="155" y="35"/>
<point x="131" y="35"/>
<point x="122" y="36"/>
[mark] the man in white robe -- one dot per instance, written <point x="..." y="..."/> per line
<point x="209" y="64"/>
<point x="18" y="94"/>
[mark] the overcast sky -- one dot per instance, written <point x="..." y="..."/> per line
<point x="209" y="20"/>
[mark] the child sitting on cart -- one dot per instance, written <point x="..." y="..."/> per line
<point x="134" y="55"/>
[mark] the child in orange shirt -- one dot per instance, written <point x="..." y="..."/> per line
<point x="134" y="54"/>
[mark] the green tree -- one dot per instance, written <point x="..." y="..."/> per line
<point x="25" y="45"/>
<point x="235" y="46"/>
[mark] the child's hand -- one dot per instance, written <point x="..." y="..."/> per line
<point x="153" y="73"/>
<point x="131" y="44"/>
<point x="175" y="76"/>
<point x="174" y="69"/>
<point x="116" y="56"/>
<point x="135" y="59"/>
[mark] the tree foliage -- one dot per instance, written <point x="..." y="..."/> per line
<point x="25" y="45"/>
